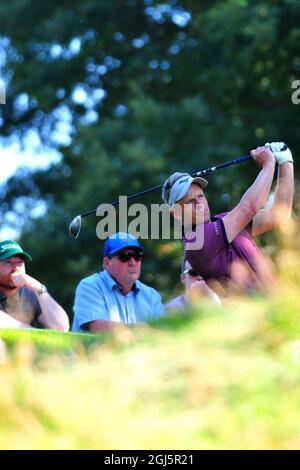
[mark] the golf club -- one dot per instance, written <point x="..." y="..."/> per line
<point x="75" y="225"/>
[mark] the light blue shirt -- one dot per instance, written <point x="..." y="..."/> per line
<point x="99" y="297"/>
<point x="179" y="303"/>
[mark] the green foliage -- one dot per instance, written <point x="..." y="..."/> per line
<point x="217" y="378"/>
<point x="180" y="96"/>
<point x="48" y="340"/>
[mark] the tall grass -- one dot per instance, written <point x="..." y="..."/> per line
<point x="218" y="378"/>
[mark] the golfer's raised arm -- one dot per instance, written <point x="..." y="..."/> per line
<point x="255" y="196"/>
<point x="280" y="211"/>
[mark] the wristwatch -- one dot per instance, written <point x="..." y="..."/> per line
<point x="42" y="290"/>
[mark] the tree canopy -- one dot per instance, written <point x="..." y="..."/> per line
<point x="128" y="92"/>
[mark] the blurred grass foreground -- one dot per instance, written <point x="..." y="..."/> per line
<point x="217" y="378"/>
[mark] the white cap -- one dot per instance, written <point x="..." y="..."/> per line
<point x="177" y="185"/>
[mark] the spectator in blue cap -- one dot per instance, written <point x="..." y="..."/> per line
<point x="115" y="295"/>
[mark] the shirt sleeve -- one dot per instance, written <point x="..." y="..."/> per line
<point x="223" y="230"/>
<point x="179" y="303"/>
<point x="215" y="238"/>
<point x="158" y="306"/>
<point x="38" y="310"/>
<point x="31" y="303"/>
<point x="89" y="304"/>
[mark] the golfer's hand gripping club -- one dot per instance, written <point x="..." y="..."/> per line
<point x="280" y="151"/>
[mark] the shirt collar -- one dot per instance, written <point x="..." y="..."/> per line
<point x="112" y="284"/>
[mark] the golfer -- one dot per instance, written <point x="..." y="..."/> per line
<point x="228" y="253"/>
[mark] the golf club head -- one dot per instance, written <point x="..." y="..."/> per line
<point x="75" y="226"/>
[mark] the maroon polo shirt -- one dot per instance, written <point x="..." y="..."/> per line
<point x="239" y="261"/>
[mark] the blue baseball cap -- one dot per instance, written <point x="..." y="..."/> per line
<point x="119" y="241"/>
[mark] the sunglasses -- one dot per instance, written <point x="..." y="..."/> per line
<point x="125" y="256"/>
<point x="191" y="272"/>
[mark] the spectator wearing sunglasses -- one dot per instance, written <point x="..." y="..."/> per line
<point x="115" y="295"/>
<point x="196" y="290"/>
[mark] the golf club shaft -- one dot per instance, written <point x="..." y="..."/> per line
<point x="222" y="165"/>
<point x="155" y="188"/>
<point x="115" y="203"/>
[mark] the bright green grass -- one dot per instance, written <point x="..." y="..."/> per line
<point x="218" y="378"/>
<point x="48" y="339"/>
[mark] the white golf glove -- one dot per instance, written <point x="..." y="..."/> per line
<point x="281" y="156"/>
